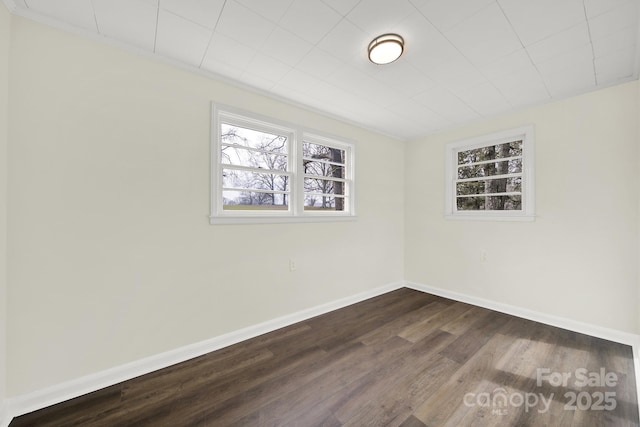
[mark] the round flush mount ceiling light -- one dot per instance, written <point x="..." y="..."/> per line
<point x="386" y="48"/>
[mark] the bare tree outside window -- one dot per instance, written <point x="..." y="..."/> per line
<point x="324" y="177"/>
<point x="269" y="171"/>
<point x="255" y="175"/>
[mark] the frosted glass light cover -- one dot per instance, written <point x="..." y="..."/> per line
<point x="386" y="49"/>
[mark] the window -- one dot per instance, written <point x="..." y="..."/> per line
<point x="268" y="171"/>
<point x="491" y="177"/>
<point x="325" y="184"/>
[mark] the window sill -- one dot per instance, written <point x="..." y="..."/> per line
<point x="220" y="220"/>
<point x="492" y="217"/>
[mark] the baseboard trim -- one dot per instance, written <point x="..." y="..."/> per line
<point x="5" y="416"/>
<point x="40" y="399"/>
<point x="548" y="319"/>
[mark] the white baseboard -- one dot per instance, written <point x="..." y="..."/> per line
<point x="5" y="417"/>
<point x="39" y="399"/>
<point x="548" y="319"/>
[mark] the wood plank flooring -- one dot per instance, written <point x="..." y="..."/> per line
<point x="405" y="359"/>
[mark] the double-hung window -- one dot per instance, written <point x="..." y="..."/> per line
<point x="265" y="170"/>
<point x="491" y="177"/>
<point x="325" y="175"/>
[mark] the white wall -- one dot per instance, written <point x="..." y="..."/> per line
<point x="112" y="255"/>
<point x="5" y="25"/>
<point x="578" y="260"/>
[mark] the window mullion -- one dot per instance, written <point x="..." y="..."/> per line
<point x="298" y="164"/>
<point x="256" y="170"/>
<point x="325" y="178"/>
<point x="489" y="178"/>
<point x="340" y="196"/>
<point x="255" y="190"/>
<point x="506" y="193"/>
<point x="487" y="162"/>
<point x="327" y="162"/>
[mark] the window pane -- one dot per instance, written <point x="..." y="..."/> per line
<point x="322" y="152"/>
<point x="323" y="169"/>
<point x="320" y="203"/>
<point x="241" y="157"/>
<point x="324" y="186"/>
<point x="490" y="169"/>
<point x="254" y="180"/>
<point x="502" y="185"/>
<point x="248" y="200"/>
<point x="253" y="138"/>
<point x="500" y="151"/>
<point x="490" y="203"/>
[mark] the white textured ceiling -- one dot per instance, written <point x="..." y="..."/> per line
<point x="464" y="59"/>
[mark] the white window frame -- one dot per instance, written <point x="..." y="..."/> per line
<point x="524" y="133"/>
<point x="297" y="135"/>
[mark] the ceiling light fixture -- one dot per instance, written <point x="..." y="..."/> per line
<point x="386" y="48"/>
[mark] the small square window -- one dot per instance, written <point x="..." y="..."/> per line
<point x="491" y="177"/>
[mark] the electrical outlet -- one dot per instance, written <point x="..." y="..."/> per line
<point x="292" y="265"/>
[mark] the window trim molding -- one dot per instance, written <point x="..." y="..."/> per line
<point x="298" y="135"/>
<point x="527" y="133"/>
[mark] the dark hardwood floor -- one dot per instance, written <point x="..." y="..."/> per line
<point x="401" y="359"/>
